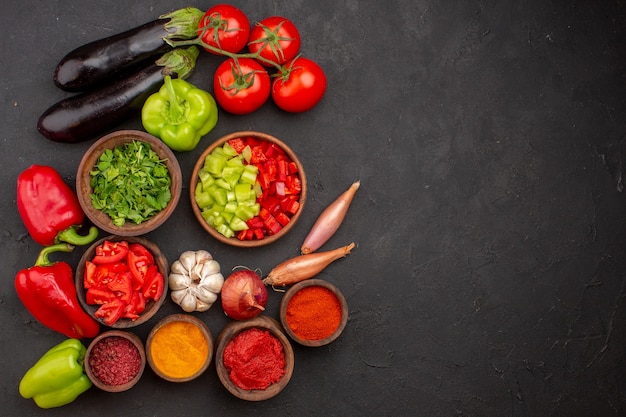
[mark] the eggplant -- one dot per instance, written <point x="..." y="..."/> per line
<point x="89" y="114"/>
<point x="89" y="66"/>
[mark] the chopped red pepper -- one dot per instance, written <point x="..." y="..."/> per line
<point x="282" y="218"/>
<point x="292" y="167"/>
<point x="290" y="204"/>
<point x="272" y="224"/>
<point x="258" y="156"/>
<point x="238" y="144"/>
<point x="255" y="223"/>
<point x="281" y="169"/>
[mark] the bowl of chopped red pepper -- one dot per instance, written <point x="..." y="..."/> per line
<point x="120" y="280"/>
<point x="248" y="189"/>
<point x="115" y="360"/>
<point x="128" y="183"/>
<point x="254" y="358"/>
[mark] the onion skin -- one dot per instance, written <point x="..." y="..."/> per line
<point x="329" y="221"/>
<point x="243" y="295"/>
<point x="304" y="266"/>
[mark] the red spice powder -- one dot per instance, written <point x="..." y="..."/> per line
<point x="313" y="313"/>
<point x="255" y="359"/>
<point x="115" y="360"/>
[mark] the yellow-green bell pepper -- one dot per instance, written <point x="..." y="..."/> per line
<point x="180" y="114"/>
<point x="58" y="377"/>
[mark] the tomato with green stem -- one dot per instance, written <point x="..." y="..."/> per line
<point x="299" y="85"/>
<point x="224" y="27"/>
<point x="275" y="39"/>
<point x="241" y="85"/>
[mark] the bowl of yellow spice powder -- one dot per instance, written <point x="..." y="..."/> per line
<point x="179" y="348"/>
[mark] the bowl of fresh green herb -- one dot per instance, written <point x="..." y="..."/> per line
<point x="128" y="183"/>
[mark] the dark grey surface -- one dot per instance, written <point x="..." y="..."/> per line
<point x="488" y="136"/>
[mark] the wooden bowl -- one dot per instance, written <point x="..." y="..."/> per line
<point x="233" y="240"/>
<point x="228" y="333"/>
<point x="92" y="351"/>
<point x="154" y="361"/>
<point x="312" y="316"/>
<point x="152" y="306"/>
<point x="84" y="189"/>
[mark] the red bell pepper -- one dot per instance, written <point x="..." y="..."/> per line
<point x="47" y="290"/>
<point x="49" y="208"/>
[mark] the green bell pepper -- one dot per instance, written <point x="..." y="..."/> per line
<point x="58" y="377"/>
<point x="180" y="114"/>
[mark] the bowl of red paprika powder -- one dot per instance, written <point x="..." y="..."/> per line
<point x="115" y="360"/>
<point x="313" y="312"/>
<point x="120" y="280"/>
<point x="254" y="358"/>
<point x="267" y="170"/>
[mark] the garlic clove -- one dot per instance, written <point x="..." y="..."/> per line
<point x="178" y="268"/>
<point x="202" y="306"/>
<point x="177" y="295"/>
<point x="204" y="294"/>
<point x="189" y="302"/>
<point x="178" y="281"/>
<point x="203" y="256"/>
<point x="210" y="268"/>
<point x="188" y="259"/>
<point x="213" y="282"/>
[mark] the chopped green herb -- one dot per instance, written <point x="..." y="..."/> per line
<point x="130" y="183"/>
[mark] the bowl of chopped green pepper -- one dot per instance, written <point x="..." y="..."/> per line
<point x="128" y="183"/>
<point x="248" y="189"/>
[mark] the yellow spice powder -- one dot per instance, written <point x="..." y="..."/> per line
<point x="179" y="349"/>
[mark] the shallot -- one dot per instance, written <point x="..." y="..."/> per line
<point x="304" y="266"/>
<point x="329" y="221"/>
<point x="243" y="295"/>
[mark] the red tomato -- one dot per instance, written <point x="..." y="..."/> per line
<point x="224" y="27"/>
<point x="277" y="39"/>
<point x="241" y="86"/>
<point x="154" y="284"/>
<point x="110" y="252"/>
<point x="300" y="86"/>
<point x="111" y="311"/>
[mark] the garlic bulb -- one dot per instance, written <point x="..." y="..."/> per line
<point x="195" y="281"/>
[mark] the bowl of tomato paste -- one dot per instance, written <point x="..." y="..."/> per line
<point x="248" y="189"/>
<point x="254" y="358"/>
<point x="121" y="280"/>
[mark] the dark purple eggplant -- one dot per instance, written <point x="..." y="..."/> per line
<point x="84" y="116"/>
<point x="91" y="65"/>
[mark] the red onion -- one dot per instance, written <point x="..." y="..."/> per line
<point x="243" y="295"/>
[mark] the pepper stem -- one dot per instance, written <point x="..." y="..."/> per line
<point x="176" y="111"/>
<point x="43" y="260"/>
<point x="71" y="236"/>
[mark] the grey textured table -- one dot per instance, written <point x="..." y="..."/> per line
<point x="489" y="140"/>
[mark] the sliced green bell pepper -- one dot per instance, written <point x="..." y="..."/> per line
<point x="180" y="114"/>
<point x="58" y="377"/>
